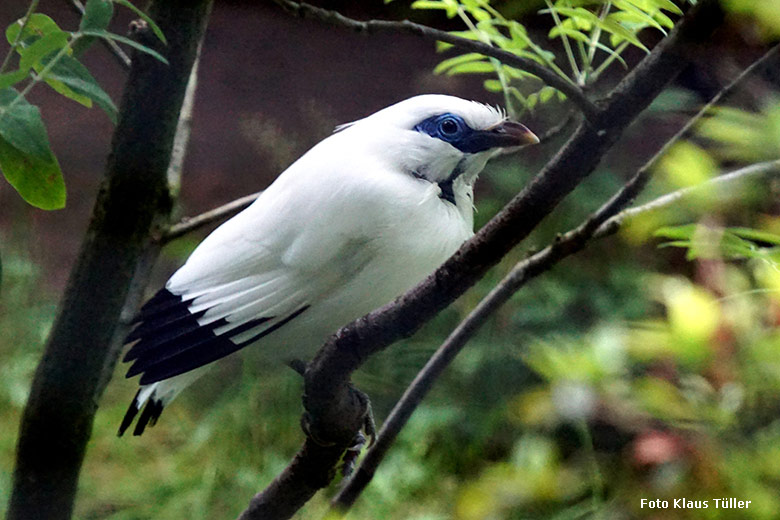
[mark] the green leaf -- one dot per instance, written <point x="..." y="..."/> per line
<point x="72" y="79"/>
<point x="631" y="7"/>
<point x="683" y="232"/>
<point x="21" y="125"/>
<point x="560" y="30"/>
<point x="97" y="16"/>
<point x="457" y="60"/>
<point x="37" y="25"/>
<point x="33" y="54"/>
<point x="620" y="33"/>
<point x="38" y="181"/>
<point x="473" y="67"/>
<point x="9" y="79"/>
<point x="710" y="243"/>
<point x="145" y="17"/>
<point x="127" y="41"/>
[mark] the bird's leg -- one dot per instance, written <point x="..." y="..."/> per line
<point x="298" y="365"/>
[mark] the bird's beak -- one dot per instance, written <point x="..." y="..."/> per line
<point x="510" y="134"/>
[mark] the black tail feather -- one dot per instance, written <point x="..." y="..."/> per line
<point x="132" y="410"/>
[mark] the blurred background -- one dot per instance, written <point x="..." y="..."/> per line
<point x="630" y="371"/>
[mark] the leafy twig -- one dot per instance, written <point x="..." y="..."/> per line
<point x="563" y="84"/>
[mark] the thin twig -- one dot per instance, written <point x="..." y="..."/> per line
<point x="605" y="221"/>
<point x="564" y="84"/>
<point x="111" y="45"/>
<point x="189" y="224"/>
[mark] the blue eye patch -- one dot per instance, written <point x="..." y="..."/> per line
<point x="452" y="129"/>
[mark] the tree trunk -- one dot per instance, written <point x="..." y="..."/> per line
<point x="134" y="198"/>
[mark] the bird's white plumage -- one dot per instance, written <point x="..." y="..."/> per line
<point x="345" y="229"/>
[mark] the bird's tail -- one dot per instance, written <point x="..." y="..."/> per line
<point x="151" y="399"/>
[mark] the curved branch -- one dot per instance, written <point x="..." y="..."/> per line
<point x="604" y="222"/>
<point x="549" y="77"/>
<point x="333" y="412"/>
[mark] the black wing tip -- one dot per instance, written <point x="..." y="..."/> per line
<point x="149" y="416"/>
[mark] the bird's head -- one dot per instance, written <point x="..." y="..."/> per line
<point x="441" y="139"/>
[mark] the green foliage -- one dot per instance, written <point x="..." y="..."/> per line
<point x="594" y="34"/>
<point x="707" y="242"/>
<point x="46" y="53"/>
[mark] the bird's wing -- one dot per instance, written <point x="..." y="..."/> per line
<point x="253" y="275"/>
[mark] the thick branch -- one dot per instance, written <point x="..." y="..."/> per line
<point x="604" y="222"/>
<point x="134" y="198"/>
<point x="406" y="27"/>
<point x="335" y="414"/>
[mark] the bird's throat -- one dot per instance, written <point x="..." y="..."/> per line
<point x="446" y="192"/>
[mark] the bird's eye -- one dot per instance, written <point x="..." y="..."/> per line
<point x="448" y="127"/>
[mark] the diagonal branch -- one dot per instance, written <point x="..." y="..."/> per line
<point x="369" y="27"/>
<point x="603" y="223"/>
<point x="334" y="413"/>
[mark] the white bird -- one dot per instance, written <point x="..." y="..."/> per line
<point x="358" y="220"/>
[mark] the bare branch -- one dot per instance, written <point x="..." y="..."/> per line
<point x="334" y="413"/>
<point x="549" y="77"/>
<point x="111" y="45"/>
<point x="189" y="224"/>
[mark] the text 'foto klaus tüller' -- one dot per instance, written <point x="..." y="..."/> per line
<point x="684" y="503"/>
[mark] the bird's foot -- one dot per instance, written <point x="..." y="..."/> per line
<point x="364" y="437"/>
